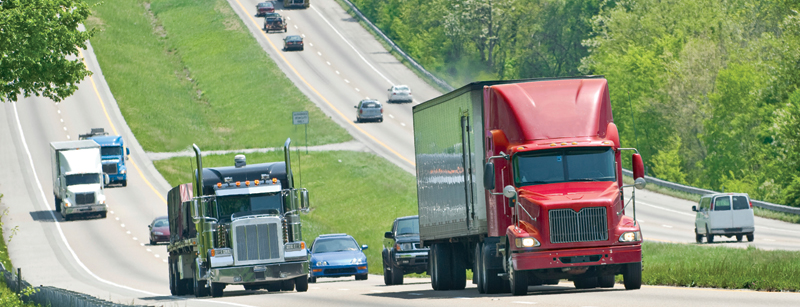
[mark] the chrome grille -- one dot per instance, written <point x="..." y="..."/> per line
<point x="589" y="224"/>
<point x="110" y="168"/>
<point x="84" y="198"/>
<point x="257" y="242"/>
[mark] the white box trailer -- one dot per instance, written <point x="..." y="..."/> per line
<point x="78" y="178"/>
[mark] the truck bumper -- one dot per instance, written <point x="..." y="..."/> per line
<point x="258" y="273"/>
<point x="117" y="177"/>
<point x="576" y="257"/>
<point x="732" y="231"/>
<point x="96" y="208"/>
<point x="412" y="261"/>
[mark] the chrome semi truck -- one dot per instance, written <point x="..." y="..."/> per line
<point x="237" y="225"/>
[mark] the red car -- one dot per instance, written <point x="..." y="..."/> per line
<point x="159" y="230"/>
<point x="264" y="7"/>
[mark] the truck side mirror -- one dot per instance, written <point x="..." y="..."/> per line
<point x="388" y="235"/>
<point x="304" y="200"/>
<point x="694" y="208"/>
<point x="127" y="153"/>
<point x="106" y="180"/>
<point x="488" y="176"/>
<point x="638" y="166"/>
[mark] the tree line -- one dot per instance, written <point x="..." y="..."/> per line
<point x="711" y="85"/>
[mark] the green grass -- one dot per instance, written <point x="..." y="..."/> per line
<point x="360" y="196"/>
<point x="3" y="248"/>
<point x="720" y="267"/>
<point x="189" y="71"/>
<point x="7" y="297"/>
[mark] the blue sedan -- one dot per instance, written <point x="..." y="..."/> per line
<point x="337" y="255"/>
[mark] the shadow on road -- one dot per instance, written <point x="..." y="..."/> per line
<point x="473" y="293"/>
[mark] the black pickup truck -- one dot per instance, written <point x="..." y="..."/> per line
<point x="402" y="253"/>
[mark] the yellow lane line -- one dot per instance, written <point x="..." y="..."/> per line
<point x="347" y="120"/>
<point x="94" y="85"/>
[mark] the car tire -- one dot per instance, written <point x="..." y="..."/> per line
<point x="380" y="120"/>
<point x="605" y="281"/>
<point x="749" y="237"/>
<point x="152" y="242"/>
<point x="301" y="283"/>
<point x="216" y="289"/>
<point x="310" y="280"/>
<point x="698" y="237"/>
<point x="397" y="275"/>
<point x="585" y="282"/>
<point x="632" y="276"/>
<point x="387" y="275"/>
<point x="302" y="48"/>
<point x="364" y="276"/>
<point x="709" y="236"/>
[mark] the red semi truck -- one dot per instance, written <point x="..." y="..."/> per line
<point x="521" y="181"/>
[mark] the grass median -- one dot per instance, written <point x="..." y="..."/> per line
<point x="189" y="71"/>
<point x="347" y="193"/>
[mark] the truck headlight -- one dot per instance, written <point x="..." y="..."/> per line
<point x="294" y="246"/>
<point x="526" y="242"/>
<point x="123" y="172"/>
<point x="631" y="236"/>
<point x="403" y="246"/>
<point x="216" y="252"/>
<point x="67" y="203"/>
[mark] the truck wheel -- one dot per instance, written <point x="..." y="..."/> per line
<point x="66" y="217"/>
<point x="301" y="283"/>
<point x="749" y="237"/>
<point x="58" y="203"/>
<point x="103" y="215"/>
<point x="739" y="238"/>
<point x="492" y="283"/>
<point x="199" y="286"/>
<point x="632" y="276"/>
<point x="287" y="285"/>
<point x="273" y="287"/>
<point x="459" y="266"/>
<point x="585" y="282"/>
<point x="310" y="280"/>
<point x="216" y="289"/>
<point x="440" y="266"/>
<point x="125" y="183"/>
<point x="477" y="271"/>
<point x="518" y="280"/>
<point x="605" y="281"/>
<point x="173" y="289"/>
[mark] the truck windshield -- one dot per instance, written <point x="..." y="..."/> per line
<point x="240" y="205"/>
<point x="111" y="151"/>
<point x="407" y="226"/>
<point x="83" y="179"/>
<point x="564" y="165"/>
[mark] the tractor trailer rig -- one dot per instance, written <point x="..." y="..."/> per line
<point x="113" y="152"/>
<point x="237" y="225"/>
<point x="521" y="181"/>
<point x="78" y="179"/>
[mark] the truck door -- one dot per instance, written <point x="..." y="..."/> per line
<point x="721" y="216"/>
<point x="466" y="160"/>
<point x="742" y="213"/>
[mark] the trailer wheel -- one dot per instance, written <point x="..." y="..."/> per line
<point x="459" y="266"/>
<point x="287" y="285"/>
<point x="518" y="280"/>
<point x="632" y="276"/>
<point x="441" y="267"/>
<point x="478" y="270"/>
<point x="493" y="284"/>
<point x="273" y="287"/>
<point x="216" y="289"/>
<point x="301" y="283"/>
<point x="605" y="281"/>
<point x="585" y="282"/>
<point x="173" y="289"/>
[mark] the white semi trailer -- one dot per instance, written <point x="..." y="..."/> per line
<point x="78" y="178"/>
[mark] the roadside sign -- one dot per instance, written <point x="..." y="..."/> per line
<point x="300" y="118"/>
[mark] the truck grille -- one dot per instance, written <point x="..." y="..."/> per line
<point x="110" y="168"/>
<point x="587" y="225"/>
<point x="84" y="198"/>
<point x="257" y="242"/>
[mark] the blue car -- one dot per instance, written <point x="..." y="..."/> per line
<point x="337" y="255"/>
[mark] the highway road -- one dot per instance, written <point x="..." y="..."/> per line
<point x="110" y="258"/>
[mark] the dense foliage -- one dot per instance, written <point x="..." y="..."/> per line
<point x="711" y="86"/>
<point x="39" y="41"/>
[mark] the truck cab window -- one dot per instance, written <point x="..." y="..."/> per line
<point x="561" y="165"/>
<point x="111" y="151"/>
<point x="83" y="179"/>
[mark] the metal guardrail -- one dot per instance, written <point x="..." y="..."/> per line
<point x="54" y="297"/>
<point x="389" y="41"/>
<point x="699" y="191"/>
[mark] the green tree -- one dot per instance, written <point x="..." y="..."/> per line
<point x="39" y="43"/>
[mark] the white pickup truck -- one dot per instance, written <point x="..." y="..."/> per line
<point x="78" y="178"/>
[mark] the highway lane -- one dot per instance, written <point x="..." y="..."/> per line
<point x="130" y="272"/>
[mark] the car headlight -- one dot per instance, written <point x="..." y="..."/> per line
<point x="526" y="242"/>
<point x="631" y="236"/>
<point x="358" y="261"/>
<point x="321" y="263"/>
<point x="158" y="233"/>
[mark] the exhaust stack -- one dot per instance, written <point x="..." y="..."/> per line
<point x="289" y="176"/>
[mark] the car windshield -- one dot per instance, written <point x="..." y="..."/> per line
<point x="335" y="245"/>
<point x="293" y="38"/>
<point x="408" y="226"/>
<point x="265" y="4"/>
<point x="161" y="223"/>
<point x="240" y="205"/>
<point x="564" y="165"/>
<point x="111" y="150"/>
<point x="370" y="105"/>
<point x="401" y="88"/>
<point x="83" y="179"/>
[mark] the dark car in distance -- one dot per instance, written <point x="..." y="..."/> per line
<point x="402" y="253"/>
<point x="159" y="230"/>
<point x="264" y="7"/>
<point x="293" y="42"/>
<point x="337" y="255"/>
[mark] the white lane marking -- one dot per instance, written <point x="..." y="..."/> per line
<point x="771" y="240"/>
<point x="165" y="260"/>
<point x="68" y="137"/>
<point x="367" y="97"/>
<point x="376" y="291"/>
<point x="112" y="212"/>
<point x="295" y="26"/>
<point x="303" y="35"/>
<point x="351" y="46"/>
<point x="337" y="72"/>
<point x="463" y="298"/>
<point x="128" y="232"/>
<point x="345" y="80"/>
<point x="65" y="128"/>
<point x="310" y="44"/>
<point x="358" y="90"/>
<point x="62" y="120"/>
<point x="149" y="250"/>
<point x="667" y="226"/>
<point x="343" y="289"/>
<point x="158" y="256"/>
<point x="526" y="303"/>
<point x="640" y="221"/>
<point x="123" y="225"/>
<point x="117" y="218"/>
<point x="59" y="111"/>
<point x="390" y="115"/>
<point x="142" y="244"/>
<point x="56" y="222"/>
<point x="329" y="63"/>
<point x="136" y="239"/>
<point x="403" y="124"/>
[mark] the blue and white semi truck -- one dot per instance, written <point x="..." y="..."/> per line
<point x="113" y="152"/>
